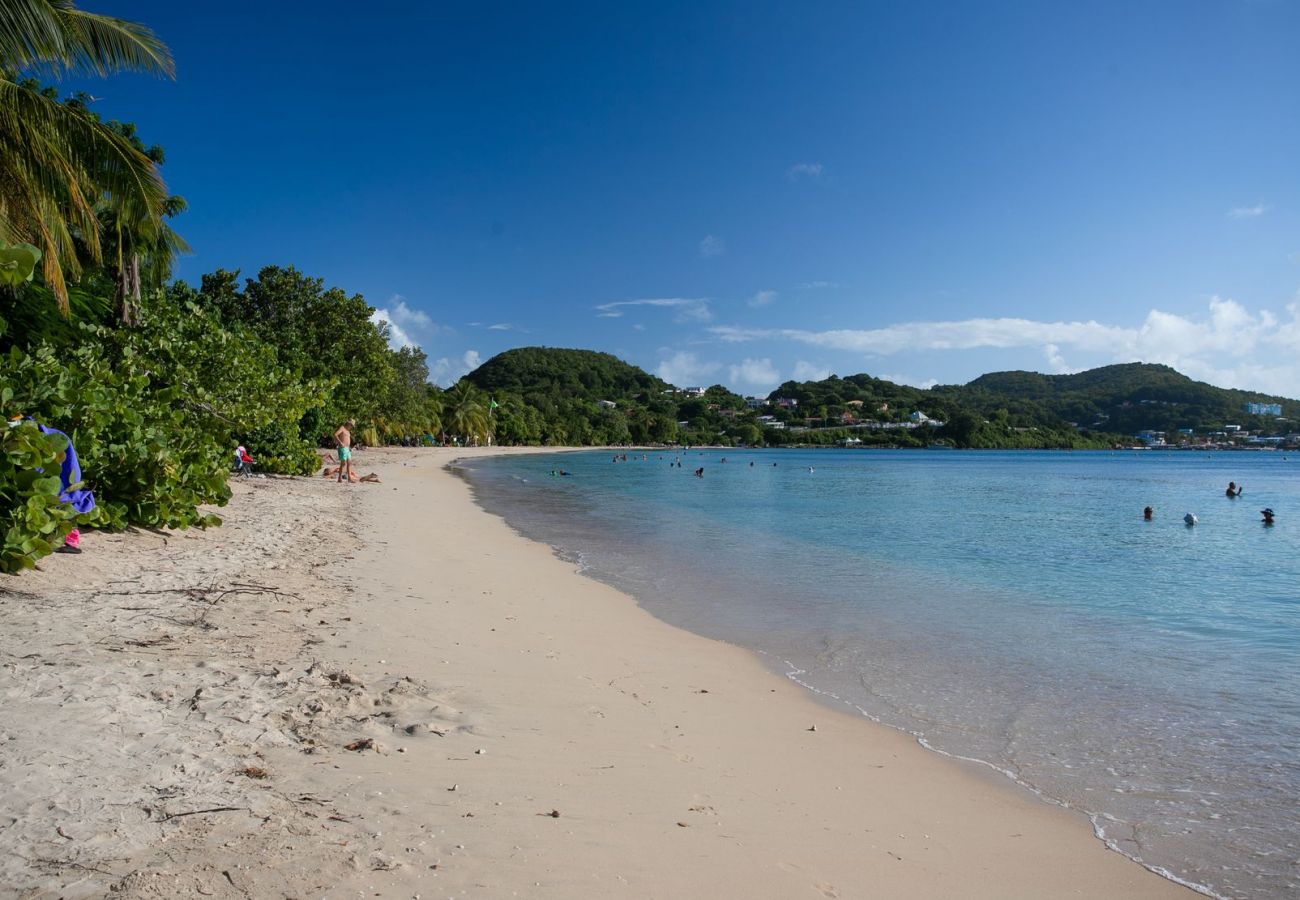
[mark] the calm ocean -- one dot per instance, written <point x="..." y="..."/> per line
<point x="1012" y="608"/>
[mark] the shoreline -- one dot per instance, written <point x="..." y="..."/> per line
<point x="789" y="671"/>
<point x="515" y="729"/>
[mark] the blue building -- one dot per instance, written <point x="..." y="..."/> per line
<point x="1264" y="409"/>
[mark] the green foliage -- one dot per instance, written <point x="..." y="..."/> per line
<point x="33" y="521"/>
<point x="1123" y="399"/>
<point x="319" y="334"/>
<point x="17" y="263"/>
<point x="57" y="165"/>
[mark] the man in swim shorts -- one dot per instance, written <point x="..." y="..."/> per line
<point x="343" y="437"/>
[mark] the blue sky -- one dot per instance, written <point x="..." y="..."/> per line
<point x="749" y="192"/>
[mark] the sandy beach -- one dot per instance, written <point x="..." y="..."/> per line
<point x="382" y="690"/>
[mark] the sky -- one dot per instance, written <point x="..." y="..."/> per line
<point x="744" y="193"/>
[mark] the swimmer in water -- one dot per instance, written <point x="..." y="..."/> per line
<point x="1233" y="490"/>
<point x="1268" y="516"/>
<point x="699" y="473"/>
<point x="1148" y="513"/>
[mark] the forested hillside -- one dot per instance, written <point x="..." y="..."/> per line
<point x="548" y="395"/>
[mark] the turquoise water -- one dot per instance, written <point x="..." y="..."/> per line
<point x="1012" y="608"/>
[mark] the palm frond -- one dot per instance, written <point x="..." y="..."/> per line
<point x="30" y="33"/>
<point x="58" y="164"/>
<point x="104" y="44"/>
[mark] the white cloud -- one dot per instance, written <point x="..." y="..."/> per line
<point x="962" y="335"/>
<point x="405" y="324"/>
<point x="817" y="285"/>
<point x="806" y="371"/>
<point x="804" y="170"/>
<point x="1247" y="212"/>
<point x="501" y="326"/>
<point x="711" y="245"/>
<point x="922" y="383"/>
<point x="755" y="372"/>
<point x="686" y="369"/>
<point x="1055" y="360"/>
<point x="762" y="298"/>
<point x="687" y="309"/>
<point x="1230" y="346"/>
<point x="397" y="336"/>
<point x="446" y="371"/>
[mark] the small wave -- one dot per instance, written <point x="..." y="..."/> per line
<point x="794" y="673"/>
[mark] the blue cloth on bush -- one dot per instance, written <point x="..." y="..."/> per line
<point x="82" y="501"/>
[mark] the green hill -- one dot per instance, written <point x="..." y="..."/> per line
<point x="581" y="374"/>
<point x="1126" y="398"/>
<point x="550" y="395"/>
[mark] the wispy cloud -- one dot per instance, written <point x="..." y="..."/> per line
<point x="910" y="380"/>
<point x="712" y="245"/>
<point x="805" y="170"/>
<point x="806" y="371"/>
<point x="1247" y="212"/>
<point x="1230" y="346"/>
<point x="685" y="309"/>
<point x="817" y="285"/>
<point x="406" y="325"/>
<point x="758" y="373"/>
<point x="501" y="326"/>
<point x="447" y="371"/>
<point x="685" y="369"/>
<point x="762" y="298"/>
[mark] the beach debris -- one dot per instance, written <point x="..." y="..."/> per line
<point x="683" y="825"/>
<point x="553" y="814"/>
<point x="812" y="728"/>
<point x="480" y="752"/>
<point x="454" y="787"/>
<point x="254" y="772"/>
<point x="358" y="745"/>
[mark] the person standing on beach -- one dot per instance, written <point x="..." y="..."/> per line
<point x="343" y="437"/>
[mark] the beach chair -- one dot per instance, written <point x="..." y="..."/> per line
<point x="244" y="463"/>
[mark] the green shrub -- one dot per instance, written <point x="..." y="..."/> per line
<point x="33" y="521"/>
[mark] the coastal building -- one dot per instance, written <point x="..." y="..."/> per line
<point x="606" y="404"/>
<point x="755" y="402"/>
<point x="1152" y="438"/>
<point x="1264" y="409"/>
<point x="693" y="391"/>
<point x="920" y="418"/>
<point x="787" y="402"/>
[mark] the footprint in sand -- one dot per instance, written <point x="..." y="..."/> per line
<point x="826" y="888"/>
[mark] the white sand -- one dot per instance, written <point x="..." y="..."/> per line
<point x="136" y="695"/>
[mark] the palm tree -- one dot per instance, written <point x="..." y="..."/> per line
<point x="466" y="411"/>
<point x="58" y="166"/>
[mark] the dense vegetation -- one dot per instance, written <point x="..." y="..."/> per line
<point x="154" y="384"/>
<point x="1123" y="398"/>
<point x="578" y="396"/>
